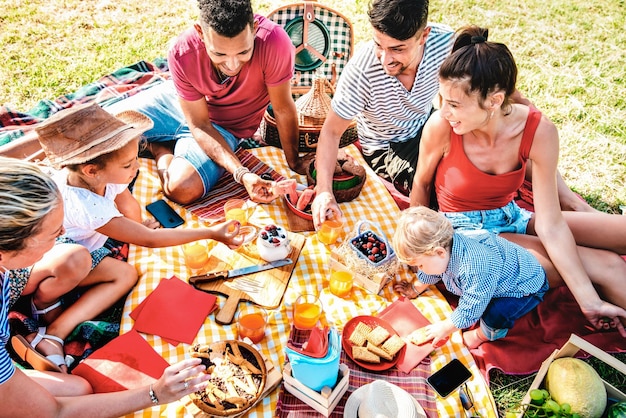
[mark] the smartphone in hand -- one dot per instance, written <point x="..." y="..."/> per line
<point x="449" y="377"/>
<point x="162" y="212"/>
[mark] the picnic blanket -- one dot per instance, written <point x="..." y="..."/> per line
<point x="537" y="334"/>
<point x="310" y="275"/>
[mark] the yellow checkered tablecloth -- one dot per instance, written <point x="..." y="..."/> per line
<point x="373" y="204"/>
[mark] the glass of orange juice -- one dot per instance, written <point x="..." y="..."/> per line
<point x="341" y="283"/>
<point x="330" y="231"/>
<point x="251" y="322"/>
<point x="307" y="310"/>
<point x="196" y="255"/>
<point x="237" y="209"/>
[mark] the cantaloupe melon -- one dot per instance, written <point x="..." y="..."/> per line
<point x="570" y="380"/>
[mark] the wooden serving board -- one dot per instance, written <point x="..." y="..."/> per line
<point x="272" y="283"/>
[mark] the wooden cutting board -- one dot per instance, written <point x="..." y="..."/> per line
<point x="271" y="283"/>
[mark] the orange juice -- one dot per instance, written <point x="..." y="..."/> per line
<point x="341" y="283"/>
<point x="237" y="214"/>
<point x="252" y="325"/>
<point x="306" y="315"/>
<point x="329" y="231"/>
<point x="196" y="255"/>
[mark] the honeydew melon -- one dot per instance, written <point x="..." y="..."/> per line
<point x="573" y="381"/>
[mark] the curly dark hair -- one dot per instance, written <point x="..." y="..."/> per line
<point x="226" y="17"/>
<point x="399" y="19"/>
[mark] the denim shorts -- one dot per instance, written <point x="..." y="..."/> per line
<point x="501" y="313"/>
<point x="161" y="104"/>
<point x="509" y="218"/>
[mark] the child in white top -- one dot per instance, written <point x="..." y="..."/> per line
<point x="95" y="154"/>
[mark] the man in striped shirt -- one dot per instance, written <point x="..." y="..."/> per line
<point x="388" y="86"/>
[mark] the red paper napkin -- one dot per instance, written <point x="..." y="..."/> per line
<point x="405" y="318"/>
<point x="125" y="362"/>
<point x="174" y="311"/>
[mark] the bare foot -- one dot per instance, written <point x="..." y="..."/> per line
<point x="474" y="338"/>
<point x="406" y="289"/>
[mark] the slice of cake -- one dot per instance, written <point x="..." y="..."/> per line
<point x="378" y="335"/>
<point x="393" y="345"/>
<point x="363" y="354"/>
<point x="379" y="351"/>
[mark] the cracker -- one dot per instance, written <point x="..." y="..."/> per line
<point x="379" y="351"/>
<point x="357" y="338"/>
<point x="363" y="354"/>
<point x="393" y="345"/>
<point x="378" y="335"/>
<point x="418" y="337"/>
<point x="363" y="328"/>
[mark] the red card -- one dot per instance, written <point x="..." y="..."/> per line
<point x="405" y="318"/>
<point x="174" y="311"/>
<point x="126" y="362"/>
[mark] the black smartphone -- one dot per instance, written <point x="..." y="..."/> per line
<point x="449" y="377"/>
<point x="162" y="212"/>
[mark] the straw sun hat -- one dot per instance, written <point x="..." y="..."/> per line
<point x="381" y="399"/>
<point x="83" y="132"/>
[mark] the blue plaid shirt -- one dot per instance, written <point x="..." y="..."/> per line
<point x="486" y="266"/>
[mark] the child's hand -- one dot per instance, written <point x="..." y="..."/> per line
<point x="440" y="332"/>
<point x="228" y="233"/>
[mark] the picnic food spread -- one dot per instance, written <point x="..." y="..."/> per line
<point x="238" y="377"/>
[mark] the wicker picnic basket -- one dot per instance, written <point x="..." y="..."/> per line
<point x="312" y="108"/>
<point x="324" y="42"/>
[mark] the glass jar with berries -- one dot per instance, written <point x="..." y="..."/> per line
<point x="273" y="243"/>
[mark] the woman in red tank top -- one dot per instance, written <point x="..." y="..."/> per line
<point x="474" y="153"/>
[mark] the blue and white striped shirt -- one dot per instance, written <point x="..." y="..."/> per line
<point x="385" y="111"/>
<point x="483" y="267"/>
<point x="6" y="365"/>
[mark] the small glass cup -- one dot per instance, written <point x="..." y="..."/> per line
<point x="341" y="282"/>
<point x="196" y="255"/>
<point x="330" y="231"/>
<point x="238" y="210"/>
<point x="307" y="310"/>
<point x="251" y="322"/>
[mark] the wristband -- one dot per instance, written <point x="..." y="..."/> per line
<point x="239" y="173"/>
<point x="153" y="396"/>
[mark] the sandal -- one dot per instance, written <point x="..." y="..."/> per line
<point x="36" y="313"/>
<point x="27" y="352"/>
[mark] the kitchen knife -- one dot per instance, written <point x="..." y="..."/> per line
<point x="230" y="274"/>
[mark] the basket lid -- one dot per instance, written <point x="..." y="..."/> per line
<point x="316" y="102"/>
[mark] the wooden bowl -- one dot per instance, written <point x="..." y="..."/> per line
<point x="220" y="354"/>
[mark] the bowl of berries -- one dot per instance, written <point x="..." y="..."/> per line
<point x="273" y="243"/>
<point x="370" y="246"/>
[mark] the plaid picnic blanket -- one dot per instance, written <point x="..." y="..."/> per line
<point x="289" y="406"/>
<point x="109" y="89"/>
<point x="310" y="275"/>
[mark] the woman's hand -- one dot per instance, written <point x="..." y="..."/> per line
<point x="606" y="317"/>
<point x="180" y="379"/>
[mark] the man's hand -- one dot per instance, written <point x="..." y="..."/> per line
<point x="324" y="206"/>
<point x="259" y="190"/>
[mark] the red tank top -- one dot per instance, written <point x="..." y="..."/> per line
<point x="461" y="187"/>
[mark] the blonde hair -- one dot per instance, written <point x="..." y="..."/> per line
<point x="27" y="196"/>
<point x="419" y="231"/>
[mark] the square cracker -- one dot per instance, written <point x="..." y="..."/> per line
<point x="363" y="328"/>
<point x="363" y="354"/>
<point x="379" y="351"/>
<point x="357" y="338"/>
<point x="393" y="345"/>
<point x="378" y="335"/>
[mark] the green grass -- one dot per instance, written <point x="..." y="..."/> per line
<point x="570" y="55"/>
